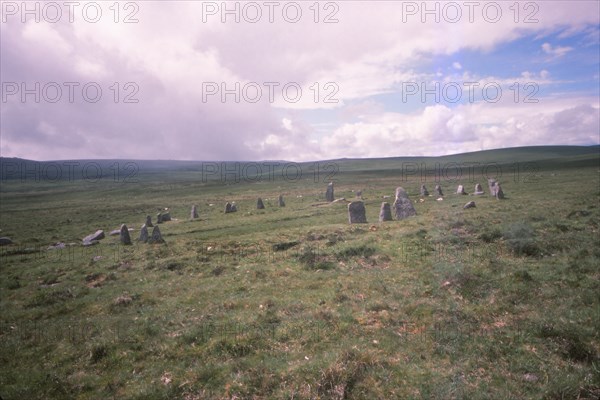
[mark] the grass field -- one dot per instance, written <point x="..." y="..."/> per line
<point x="497" y="302"/>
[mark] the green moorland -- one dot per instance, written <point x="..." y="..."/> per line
<point x="497" y="302"/>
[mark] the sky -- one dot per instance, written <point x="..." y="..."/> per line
<point x="295" y="81"/>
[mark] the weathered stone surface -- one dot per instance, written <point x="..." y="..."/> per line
<point x="499" y="192"/>
<point x="5" y="241"/>
<point x="159" y="218"/>
<point x="259" y="204"/>
<point x="143" y="234"/>
<point x="438" y="190"/>
<point x="357" y="213"/>
<point x="57" y="246"/>
<point x="492" y="187"/>
<point x="359" y="194"/>
<point x="460" y="190"/>
<point x="115" y="232"/>
<point x="470" y="204"/>
<point x="98" y="235"/>
<point x="403" y="207"/>
<point x="233" y="207"/>
<point x="124" y="235"/>
<point x="91" y="243"/>
<point x="329" y="193"/>
<point x="478" y="190"/>
<point x="385" y="212"/>
<point x="424" y="191"/>
<point x="149" y="221"/>
<point x="280" y="200"/>
<point x="194" y="212"/>
<point x="156" y="236"/>
<point x="227" y="208"/>
<point x="166" y="217"/>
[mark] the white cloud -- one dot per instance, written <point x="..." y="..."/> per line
<point x="555" y="52"/>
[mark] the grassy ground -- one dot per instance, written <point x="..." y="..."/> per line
<point x="496" y="302"/>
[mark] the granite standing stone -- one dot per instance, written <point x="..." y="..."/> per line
<point x="329" y="193"/>
<point x="492" y="187"/>
<point x="357" y="213"/>
<point x="385" y="212"/>
<point x="478" y="190"/>
<point x="281" y="202"/>
<point x="149" y="221"/>
<point x="499" y="192"/>
<point x="194" y="212"/>
<point x="227" y="208"/>
<point x="259" y="204"/>
<point x="403" y="207"/>
<point x="438" y="190"/>
<point x="124" y="235"/>
<point x="156" y="236"/>
<point x="461" y="190"/>
<point x="424" y="191"/>
<point x="143" y="234"/>
<point x="233" y="207"/>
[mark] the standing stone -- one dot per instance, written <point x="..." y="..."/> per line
<point x="492" y="187"/>
<point x="281" y="202"/>
<point x="159" y="218"/>
<point x="359" y="194"/>
<point x="385" y="212"/>
<point x="227" y="208"/>
<point x="124" y="235"/>
<point x="143" y="234"/>
<point x="356" y="213"/>
<point x="499" y="192"/>
<point x="99" y="234"/>
<point x="438" y="190"/>
<point x="259" y="204"/>
<point x="5" y="241"/>
<point x="233" y="207"/>
<point x="403" y="207"/>
<point x="329" y="192"/>
<point x="424" y="191"/>
<point x="478" y="190"/>
<point x="470" y="204"/>
<point x="156" y="236"/>
<point x="460" y="190"/>
<point x="149" y="221"/>
<point x="194" y="212"/>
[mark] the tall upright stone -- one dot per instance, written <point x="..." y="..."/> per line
<point x="194" y="213"/>
<point x="259" y="204"/>
<point x="143" y="234"/>
<point x="159" y="218"/>
<point x="329" y="193"/>
<point x="280" y="200"/>
<point x="424" y="191"/>
<point x="403" y="207"/>
<point x="385" y="212"/>
<point x="492" y="187"/>
<point x="478" y="190"/>
<point x="124" y="235"/>
<point x="149" y="221"/>
<point x="438" y="190"/>
<point x="499" y="192"/>
<point x="233" y="207"/>
<point x="357" y="213"/>
<point x="359" y="194"/>
<point x="460" y="190"/>
<point x="156" y="236"/>
<point x="227" y="208"/>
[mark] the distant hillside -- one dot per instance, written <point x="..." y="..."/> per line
<point x="15" y="169"/>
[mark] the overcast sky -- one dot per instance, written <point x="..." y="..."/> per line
<point x="295" y="81"/>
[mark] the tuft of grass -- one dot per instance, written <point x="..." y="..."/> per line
<point x="520" y="238"/>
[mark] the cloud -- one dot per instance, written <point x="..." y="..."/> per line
<point x="555" y="52"/>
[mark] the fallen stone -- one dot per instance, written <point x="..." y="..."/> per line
<point x="98" y="235"/>
<point x="385" y="212"/>
<point x="166" y="217"/>
<point x="114" y="232"/>
<point x="470" y="204"/>
<point x="57" y="246"/>
<point x="5" y="241"/>
<point x="124" y="235"/>
<point x="357" y="213"/>
<point x="91" y="243"/>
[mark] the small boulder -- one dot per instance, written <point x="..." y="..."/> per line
<point x="98" y="235"/>
<point x="470" y="204"/>
<point x="5" y="241"/>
